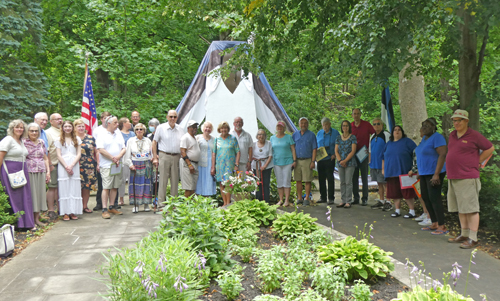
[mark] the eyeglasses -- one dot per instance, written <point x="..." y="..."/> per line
<point x="172" y="116"/>
<point x="457" y="120"/>
<point x="377" y="123"/>
<point x="139" y="130"/>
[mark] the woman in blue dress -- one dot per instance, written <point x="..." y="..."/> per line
<point x="206" y="183"/>
<point x="225" y="154"/>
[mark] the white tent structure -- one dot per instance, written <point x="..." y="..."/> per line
<point x="213" y="99"/>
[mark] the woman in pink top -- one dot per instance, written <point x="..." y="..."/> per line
<point x="38" y="164"/>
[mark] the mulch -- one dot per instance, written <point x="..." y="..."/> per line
<point x="382" y="289"/>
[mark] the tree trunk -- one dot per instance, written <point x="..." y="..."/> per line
<point x="412" y="103"/>
<point x="447" y="124"/>
<point x="469" y="71"/>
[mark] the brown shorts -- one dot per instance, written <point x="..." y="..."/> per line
<point x="303" y="171"/>
<point x="463" y="195"/>
<point x="394" y="190"/>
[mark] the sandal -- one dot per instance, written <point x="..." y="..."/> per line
<point x="280" y="203"/>
<point x="347" y="206"/>
<point x="73" y="217"/>
<point x="440" y="232"/>
<point x="428" y="229"/>
<point x="341" y="205"/>
<point x="409" y="215"/>
<point x="87" y="210"/>
<point x="287" y="205"/>
<point x="395" y="214"/>
<point x="66" y="217"/>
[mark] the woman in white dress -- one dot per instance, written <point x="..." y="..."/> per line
<point x="206" y="183"/>
<point x="68" y="172"/>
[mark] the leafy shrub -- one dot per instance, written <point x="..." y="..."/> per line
<point x="293" y="224"/>
<point x="365" y="259"/>
<point x="235" y="220"/>
<point x="153" y="268"/>
<point x="245" y="253"/>
<point x="261" y="211"/>
<point x="300" y="256"/>
<point x="293" y="281"/>
<point x="198" y="219"/>
<point x="270" y="268"/>
<point x="230" y="283"/>
<point x="439" y="293"/>
<point x="5" y="216"/>
<point x="330" y="280"/>
<point x="489" y="197"/>
<point x="361" y="292"/>
<point x="267" y="298"/>
<point x="310" y="295"/>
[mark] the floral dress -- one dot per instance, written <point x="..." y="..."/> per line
<point x="225" y="156"/>
<point x="88" y="164"/>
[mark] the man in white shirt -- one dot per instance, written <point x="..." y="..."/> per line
<point x="168" y="138"/>
<point x="245" y="143"/>
<point x="95" y="134"/>
<point x="190" y="155"/>
<point x="111" y="147"/>
<point x="53" y="134"/>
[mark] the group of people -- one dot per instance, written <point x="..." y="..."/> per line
<point x="72" y="163"/>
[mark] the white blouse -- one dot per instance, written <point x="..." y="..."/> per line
<point x="205" y="150"/>
<point x="15" y="151"/>
<point x="138" y="150"/>
<point x="262" y="153"/>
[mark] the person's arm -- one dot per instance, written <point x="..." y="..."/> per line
<point x="442" y="151"/>
<point x="337" y="154"/>
<point x="120" y="155"/>
<point x="383" y="173"/>
<point x="78" y="156"/>
<point x="313" y="159"/>
<point x="352" y="153"/>
<point x="187" y="160"/>
<point x="97" y="158"/>
<point x="294" y="155"/>
<point x="238" y="154"/>
<point x="485" y="154"/>
<point x="2" y="156"/>
<point x="212" y="171"/>
<point x="250" y="156"/>
<point x="155" y="155"/>
<point x="127" y="159"/>
<point x="47" y="168"/>
<point x="68" y="169"/>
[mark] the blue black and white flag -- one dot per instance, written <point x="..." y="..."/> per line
<point x="387" y="113"/>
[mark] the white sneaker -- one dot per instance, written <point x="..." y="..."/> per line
<point x="421" y="218"/>
<point x="425" y="222"/>
<point x="146" y="208"/>
<point x="135" y="209"/>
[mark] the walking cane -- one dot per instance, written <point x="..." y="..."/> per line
<point x="155" y="186"/>
<point x="135" y="196"/>
<point x="261" y="178"/>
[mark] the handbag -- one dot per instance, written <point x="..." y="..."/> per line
<point x="6" y="240"/>
<point x="17" y="179"/>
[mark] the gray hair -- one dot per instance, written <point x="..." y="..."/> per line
<point x="108" y="119"/>
<point x="154" y="122"/>
<point x="261" y="130"/>
<point x="207" y="123"/>
<point x="325" y="119"/>
<point x="40" y="114"/>
<point x="15" y="123"/>
<point x="34" y="125"/>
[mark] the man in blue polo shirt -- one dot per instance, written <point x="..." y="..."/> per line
<point x="326" y="138"/>
<point x="305" y="148"/>
<point x="41" y="118"/>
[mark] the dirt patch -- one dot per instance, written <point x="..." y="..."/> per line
<point x="382" y="288"/>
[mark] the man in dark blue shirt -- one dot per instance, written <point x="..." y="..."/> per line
<point x="305" y="148"/>
<point x="326" y="138"/>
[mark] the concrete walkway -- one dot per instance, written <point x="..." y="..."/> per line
<point x="63" y="264"/>
<point x="404" y="238"/>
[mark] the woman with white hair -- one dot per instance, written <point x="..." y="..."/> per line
<point x="13" y="158"/>
<point x="37" y="162"/>
<point x="262" y="164"/>
<point x="206" y="183"/>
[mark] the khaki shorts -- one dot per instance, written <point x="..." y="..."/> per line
<point x="303" y="171"/>
<point x="188" y="180"/>
<point x="108" y="181"/>
<point x="463" y="195"/>
<point x="53" y="178"/>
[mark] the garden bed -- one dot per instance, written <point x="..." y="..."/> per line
<point x="383" y="289"/>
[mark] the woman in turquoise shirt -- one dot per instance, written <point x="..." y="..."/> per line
<point x="284" y="160"/>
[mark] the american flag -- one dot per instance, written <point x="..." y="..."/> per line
<point x="89" y="114"/>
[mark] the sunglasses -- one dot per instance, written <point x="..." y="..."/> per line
<point x="377" y="123"/>
<point x="172" y="116"/>
<point x="139" y="130"/>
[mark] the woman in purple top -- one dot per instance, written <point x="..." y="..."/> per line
<point x="13" y="158"/>
<point x="431" y="156"/>
<point x="397" y="160"/>
<point x="38" y="164"/>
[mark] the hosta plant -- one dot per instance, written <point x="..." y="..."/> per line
<point x="233" y="221"/>
<point x="445" y="292"/>
<point x="261" y="211"/>
<point x="364" y="258"/>
<point x="293" y="224"/>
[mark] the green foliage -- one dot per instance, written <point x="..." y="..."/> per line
<point x="270" y="268"/>
<point x="490" y="198"/>
<point x="242" y="243"/>
<point x="230" y="283"/>
<point x="198" y="219"/>
<point x="360" y="291"/>
<point x="267" y="298"/>
<point x="440" y="293"/>
<point x="233" y="221"/>
<point x="365" y="259"/>
<point x="261" y="211"/>
<point x="329" y="280"/>
<point x="5" y="217"/>
<point x="300" y="255"/>
<point x="310" y="295"/>
<point x="23" y="87"/>
<point x="293" y="281"/>
<point x="294" y="224"/>
<point x="162" y="259"/>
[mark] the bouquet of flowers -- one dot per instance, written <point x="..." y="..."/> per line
<point x="240" y="182"/>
